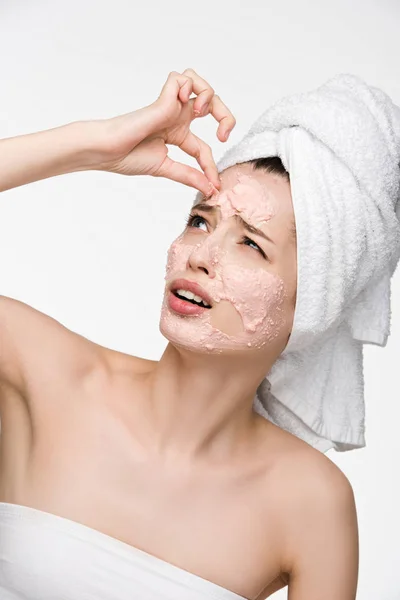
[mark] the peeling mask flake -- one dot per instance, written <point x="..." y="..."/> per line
<point x="248" y="199"/>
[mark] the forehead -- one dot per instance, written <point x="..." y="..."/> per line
<point x="276" y="187"/>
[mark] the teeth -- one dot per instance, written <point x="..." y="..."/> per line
<point x="191" y="296"/>
<point x="186" y="294"/>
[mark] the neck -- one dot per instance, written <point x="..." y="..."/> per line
<point x="200" y="406"/>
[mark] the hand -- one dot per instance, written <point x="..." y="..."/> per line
<point x="136" y="143"/>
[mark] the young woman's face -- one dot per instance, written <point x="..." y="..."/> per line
<point x="238" y="255"/>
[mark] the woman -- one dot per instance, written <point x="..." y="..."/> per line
<point x="110" y="462"/>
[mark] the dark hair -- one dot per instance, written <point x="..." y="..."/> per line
<point x="273" y="164"/>
<point x="270" y="164"/>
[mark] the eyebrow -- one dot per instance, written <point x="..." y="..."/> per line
<point x="254" y="230"/>
<point x="204" y="207"/>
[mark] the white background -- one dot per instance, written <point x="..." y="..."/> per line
<point x="89" y="248"/>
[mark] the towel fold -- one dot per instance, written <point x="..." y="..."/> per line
<point x="341" y="146"/>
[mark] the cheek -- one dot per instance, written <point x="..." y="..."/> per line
<point x="178" y="256"/>
<point x="226" y="318"/>
<point x="259" y="298"/>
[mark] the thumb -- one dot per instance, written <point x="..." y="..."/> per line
<point x="184" y="174"/>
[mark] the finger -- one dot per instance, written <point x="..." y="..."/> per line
<point x="207" y="101"/>
<point x="223" y="115"/>
<point x="203" y="91"/>
<point x="202" y="152"/>
<point x="177" y="85"/>
<point x="185" y="91"/>
<point x="201" y="104"/>
<point x="184" y="174"/>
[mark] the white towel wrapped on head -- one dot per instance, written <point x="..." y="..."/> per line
<point x="341" y="147"/>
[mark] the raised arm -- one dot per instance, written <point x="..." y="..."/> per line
<point x="36" y="156"/>
<point x="130" y="144"/>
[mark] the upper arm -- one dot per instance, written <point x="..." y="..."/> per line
<point x="325" y="542"/>
<point x="35" y="349"/>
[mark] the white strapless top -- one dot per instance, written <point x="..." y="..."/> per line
<point x="47" y="557"/>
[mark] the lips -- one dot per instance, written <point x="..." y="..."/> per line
<point x="191" y="286"/>
<point x="185" y="307"/>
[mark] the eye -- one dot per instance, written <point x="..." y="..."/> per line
<point x="248" y="242"/>
<point x="196" y="221"/>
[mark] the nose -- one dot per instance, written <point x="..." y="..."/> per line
<point x="204" y="257"/>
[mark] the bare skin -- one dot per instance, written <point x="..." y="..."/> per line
<point x="79" y="438"/>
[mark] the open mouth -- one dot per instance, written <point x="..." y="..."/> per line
<point x="190" y="297"/>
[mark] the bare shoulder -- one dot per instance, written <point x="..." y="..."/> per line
<point x="299" y="460"/>
<point x="322" y="490"/>
<point x="320" y="529"/>
<point x="38" y="352"/>
<point x="33" y="342"/>
<point x="314" y="483"/>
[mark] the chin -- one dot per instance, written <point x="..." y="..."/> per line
<point x="179" y="332"/>
<point x="196" y="335"/>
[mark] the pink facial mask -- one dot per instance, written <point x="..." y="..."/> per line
<point x="251" y="300"/>
<point x="248" y="199"/>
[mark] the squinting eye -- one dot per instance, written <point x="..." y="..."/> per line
<point x="196" y="221"/>
<point x="248" y="242"/>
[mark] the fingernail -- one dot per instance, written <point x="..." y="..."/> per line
<point x="210" y="190"/>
